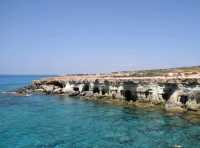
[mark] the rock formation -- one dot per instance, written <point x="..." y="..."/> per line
<point x="176" y="94"/>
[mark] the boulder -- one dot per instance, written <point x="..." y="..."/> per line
<point x="57" y="91"/>
<point x="68" y="88"/>
<point x="26" y="90"/>
<point x="176" y="102"/>
<point x="194" y="101"/>
<point x="87" y="94"/>
<point x="48" y="88"/>
<point x="173" y="107"/>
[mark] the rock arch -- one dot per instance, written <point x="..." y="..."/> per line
<point x="128" y="95"/>
<point x="168" y="90"/>
<point x="96" y="89"/>
<point x="183" y="99"/>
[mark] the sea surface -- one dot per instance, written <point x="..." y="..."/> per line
<point x="64" y="122"/>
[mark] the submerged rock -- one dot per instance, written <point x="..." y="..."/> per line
<point x="74" y="93"/>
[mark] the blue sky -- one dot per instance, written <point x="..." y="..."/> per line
<point x="88" y="36"/>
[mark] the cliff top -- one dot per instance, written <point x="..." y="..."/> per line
<point x="157" y="75"/>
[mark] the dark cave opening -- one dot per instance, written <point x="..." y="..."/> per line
<point x="184" y="99"/>
<point x="128" y="95"/>
<point x="96" y="90"/>
<point x="169" y="90"/>
<point x="86" y="87"/>
<point x="76" y="89"/>
<point x="147" y="93"/>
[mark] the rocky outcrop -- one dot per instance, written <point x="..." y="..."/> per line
<point x="177" y="95"/>
<point x="177" y="101"/>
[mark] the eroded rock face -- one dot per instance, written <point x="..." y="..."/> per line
<point x="183" y="99"/>
<point x="177" y="95"/>
<point x="193" y="102"/>
<point x="150" y="92"/>
<point x="177" y="101"/>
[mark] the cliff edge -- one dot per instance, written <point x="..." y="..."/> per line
<point x="178" y="90"/>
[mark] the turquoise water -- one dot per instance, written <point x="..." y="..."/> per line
<point x="64" y="122"/>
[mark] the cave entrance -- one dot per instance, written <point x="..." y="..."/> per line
<point x="128" y="95"/>
<point x="76" y="89"/>
<point x="86" y="87"/>
<point x="104" y="91"/>
<point x="96" y="90"/>
<point x="183" y="99"/>
<point x="147" y="93"/>
<point x="169" y="90"/>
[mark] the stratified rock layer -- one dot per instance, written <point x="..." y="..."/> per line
<point x="177" y="94"/>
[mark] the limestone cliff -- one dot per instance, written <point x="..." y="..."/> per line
<point x="176" y="93"/>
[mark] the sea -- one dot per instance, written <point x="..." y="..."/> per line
<point x="41" y="121"/>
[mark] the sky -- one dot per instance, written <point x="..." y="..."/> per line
<point x="93" y="36"/>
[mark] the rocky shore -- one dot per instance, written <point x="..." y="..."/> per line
<point x="175" y="94"/>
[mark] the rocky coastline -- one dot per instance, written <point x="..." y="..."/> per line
<point x="180" y="94"/>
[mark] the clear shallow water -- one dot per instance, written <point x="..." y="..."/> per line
<point x="57" y="122"/>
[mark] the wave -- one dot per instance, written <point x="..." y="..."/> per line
<point x="28" y="95"/>
<point x="5" y="92"/>
<point x="14" y="93"/>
